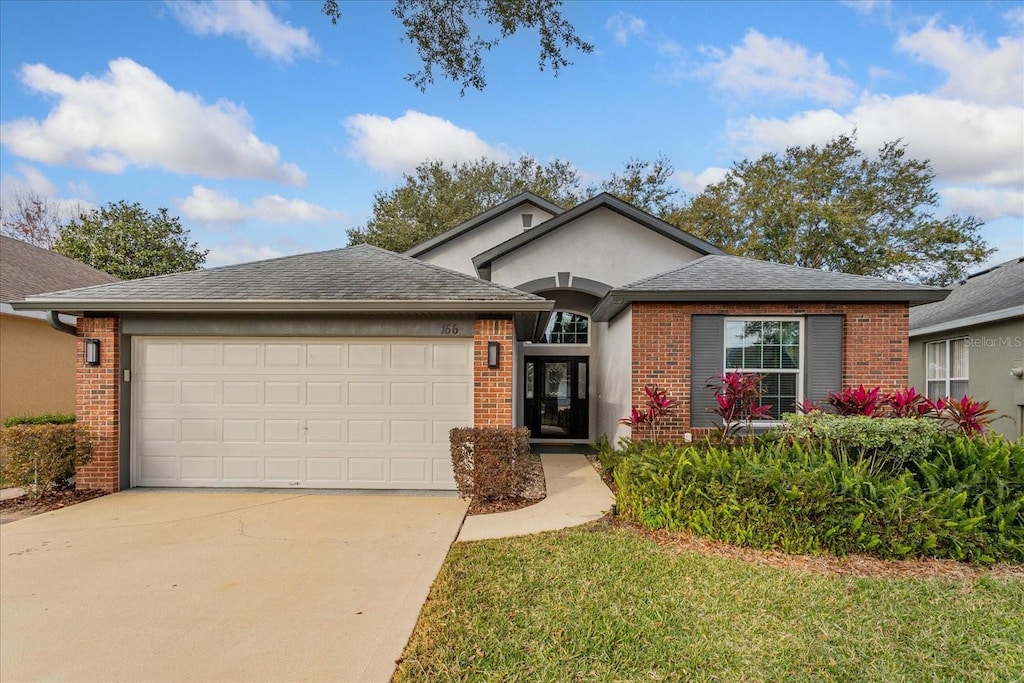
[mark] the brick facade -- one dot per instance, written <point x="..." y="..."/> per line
<point x="492" y="388"/>
<point x="97" y="402"/>
<point x="875" y="346"/>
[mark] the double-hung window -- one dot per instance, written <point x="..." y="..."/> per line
<point x="771" y="347"/>
<point x="947" y="372"/>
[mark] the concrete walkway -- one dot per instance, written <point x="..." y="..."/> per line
<point x="576" y="495"/>
<point x="7" y="494"/>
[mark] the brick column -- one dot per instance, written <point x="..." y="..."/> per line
<point x="97" y="402"/>
<point x="492" y="388"/>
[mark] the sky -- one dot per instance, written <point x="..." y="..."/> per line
<point x="269" y="130"/>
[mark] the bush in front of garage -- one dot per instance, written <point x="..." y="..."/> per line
<point x="42" y="456"/>
<point x="491" y="464"/>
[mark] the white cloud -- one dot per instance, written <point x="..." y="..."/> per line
<point x="130" y="117"/>
<point x="776" y="67"/>
<point x="263" y="32"/>
<point x="977" y="72"/>
<point x="694" y="183"/>
<point x="30" y="180"/>
<point x="1015" y="16"/>
<point x="399" y="145"/>
<point x="624" y="26"/>
<point x="212" y="206"/>
<point x="987" y="204"/>
<point x="868" y="7"/>
<point x="966" y="142"/>
<point x="226" y="255"/>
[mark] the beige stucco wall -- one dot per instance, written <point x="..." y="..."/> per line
<point x="37" y="368"/>
<point x="994" y="349"/>
<point x="614" y="367"/>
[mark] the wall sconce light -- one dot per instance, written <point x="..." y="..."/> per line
<point x="92" y="351"/>
<point x="492" y="354"/>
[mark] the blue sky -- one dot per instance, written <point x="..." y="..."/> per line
<point x="268" y="130"/>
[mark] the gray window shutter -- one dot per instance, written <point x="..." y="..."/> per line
<point x="707" y="344"/>
<point x="823" y="355"/>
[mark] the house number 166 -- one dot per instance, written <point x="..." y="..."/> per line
<point x="449" y="328"/>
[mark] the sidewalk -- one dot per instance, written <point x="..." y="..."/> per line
<point x="576" y="495"/>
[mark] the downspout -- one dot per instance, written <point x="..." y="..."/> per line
<point x="53" y="317"/>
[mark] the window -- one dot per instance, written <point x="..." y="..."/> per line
<point x="947" y="368"/>
<point x="769" y="347"/>
<point x="566" y="328"/>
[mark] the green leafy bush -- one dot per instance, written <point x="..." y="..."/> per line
<point x="40" y="457"/>
<point x="491" y="464"/>
<point x="887" y="444"/>
<point x="962" y="500"/>
<point x="609" y="456"/>
<point x="50" y="419"/>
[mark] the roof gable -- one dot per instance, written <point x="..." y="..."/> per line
<point x="993" y="294"/>
<point x="358" y="278"/>
<point x="485" y="217"/>
<point x="26" y="270"/>
<point x="603" y="200"/>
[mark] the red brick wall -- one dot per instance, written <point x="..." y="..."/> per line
<point x="492" y="388"/>
<point x="875" y="346"/>
<point x="97" y="402"/>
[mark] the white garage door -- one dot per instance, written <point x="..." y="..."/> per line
<point x="298" y="413"/>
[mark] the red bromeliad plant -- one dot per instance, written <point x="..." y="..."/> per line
<point x="658" y="406"/>
<point x="738" y="395"/>
<point x="969" y="416"/>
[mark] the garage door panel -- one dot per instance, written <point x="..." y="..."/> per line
<point x="298" y="413"/>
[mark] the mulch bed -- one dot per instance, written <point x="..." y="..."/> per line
<point x="54" y="500"/>
<point x="535" y="491"/>
<point x="861" y="566"/>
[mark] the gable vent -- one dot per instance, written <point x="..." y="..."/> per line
<point x="527" y="220"/>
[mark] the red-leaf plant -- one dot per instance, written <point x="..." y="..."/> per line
<point x="857" y="401"/>
<point x="908" y="403"/>
<point x="738" y="395"/>
<point x="966" y="414"/>
<point x="658" y="406"/>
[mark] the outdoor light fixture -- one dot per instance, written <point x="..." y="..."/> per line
<point x="492" y="354"/>
<point x="92" y="351"/>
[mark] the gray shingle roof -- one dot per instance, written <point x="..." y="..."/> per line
<point x="26" y="270"/>
<point x="476" y="221"/>
<point x="373" y="278"/>
<point x="995" y="293"/>
<point x="719" y="277"/>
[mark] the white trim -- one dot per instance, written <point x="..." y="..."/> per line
<point x="947" y="379"/>
<point x="981" y="318"/>
<point x="36" y="315"/>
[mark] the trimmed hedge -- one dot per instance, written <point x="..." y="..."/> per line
<point x="41" y="457"/>
<point x="964" y="500"/>
<point x="490" y="464"/>
<point x="49" y="419"/>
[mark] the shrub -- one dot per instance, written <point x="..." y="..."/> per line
<point x="491" y="464"/>
<point x="738" y="397"/>
<point x="883" y="444"/>
<point x="40" y="457"/>
<point x="963" y="500"/>
<point x="50" y="419"/>
<point x="658" y="406"/>
<point x="610" y="456"/>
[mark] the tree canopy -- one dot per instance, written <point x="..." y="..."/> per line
<point x="449" y="35"/>
<point x="835" y="208"/>
<point x="130" y="242"/>
<point x="32" y="217"/>
<point x="436" y="197"/>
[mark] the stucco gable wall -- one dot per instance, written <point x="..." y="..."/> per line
<point x="458" y="253"/>
<point x="602" y="246"/>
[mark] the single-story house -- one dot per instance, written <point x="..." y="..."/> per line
<point x="37" y="363"/>
<point x="972" y="343"/>
<point x="348" y="368"/>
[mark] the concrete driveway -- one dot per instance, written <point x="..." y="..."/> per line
<point x="219" y="586"/>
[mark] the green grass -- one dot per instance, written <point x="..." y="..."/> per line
<point x="602" y="604"/>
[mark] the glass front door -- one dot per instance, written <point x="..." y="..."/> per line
<point x="555" y="391"/>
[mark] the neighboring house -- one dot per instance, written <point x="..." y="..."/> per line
<point x="37" y="363"/>
<point x="972" y="343"/>
<point x="348" y="368"/>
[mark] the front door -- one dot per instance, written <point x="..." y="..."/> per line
<point x="556" y="404"/>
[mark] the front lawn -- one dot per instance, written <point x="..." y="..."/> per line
<point x="599" y="603"/>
